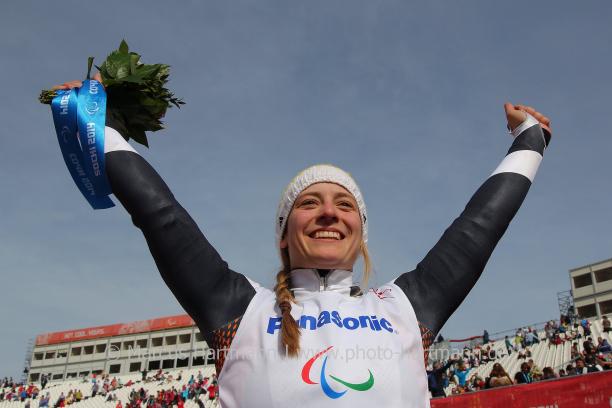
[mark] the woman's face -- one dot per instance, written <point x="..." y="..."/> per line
<point x="323" y="229"/>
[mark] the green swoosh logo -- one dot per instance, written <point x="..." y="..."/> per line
<point x="364" y="386"/>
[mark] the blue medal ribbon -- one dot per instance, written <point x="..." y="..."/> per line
<point x="79" y="116"/>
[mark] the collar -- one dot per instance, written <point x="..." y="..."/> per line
<point x="306" y="281"/>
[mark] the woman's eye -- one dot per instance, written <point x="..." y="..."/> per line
<point x="345" y="204"/>
<point x="308" y="202"/>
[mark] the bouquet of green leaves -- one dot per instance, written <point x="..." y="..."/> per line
<point x="137" y="98"/>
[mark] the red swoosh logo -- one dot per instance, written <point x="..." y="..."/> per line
<point x="308" y="365"/>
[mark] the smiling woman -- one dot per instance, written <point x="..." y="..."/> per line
<point x="324" y="229"/>
<point x="317" y="339"/>
<point x="322" y="226"/>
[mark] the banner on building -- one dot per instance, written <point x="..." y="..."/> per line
<point x="142" y="326"/>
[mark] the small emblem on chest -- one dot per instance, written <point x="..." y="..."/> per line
<point x="383" y="293"/>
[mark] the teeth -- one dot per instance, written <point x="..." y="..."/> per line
<point x="327" y="234"/>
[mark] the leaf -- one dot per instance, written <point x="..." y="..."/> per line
<point x="149" y="71"/>
<point x="123" y="47"/>
<point x="90" y="61"/>
<point x="140" y="137"/>
<point x="123" y="72"/>
<point x="46" y="97"/>
<point x="134" y="60"/>
<point x="133" y="79"/>
<point x="110" y="68"/>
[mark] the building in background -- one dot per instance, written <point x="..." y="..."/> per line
<point x="592" y="289"/>
<point x="119" y="349"/>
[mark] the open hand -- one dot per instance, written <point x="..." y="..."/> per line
<point x="515" y="114"/>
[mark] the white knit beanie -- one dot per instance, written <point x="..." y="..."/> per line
<point x="320" y="173"/>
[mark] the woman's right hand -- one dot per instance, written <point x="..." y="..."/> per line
<point x="76" y="84"/>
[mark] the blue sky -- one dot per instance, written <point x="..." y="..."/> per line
<point x="407" y="96"/>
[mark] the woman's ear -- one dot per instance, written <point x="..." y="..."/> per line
<point x="283" y="243"/>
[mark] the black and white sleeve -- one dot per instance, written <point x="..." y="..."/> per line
<point x="209" y="291"/>
<point x="443" y="279"/>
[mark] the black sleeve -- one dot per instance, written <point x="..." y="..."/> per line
<point x="448" y="272"/>
<point x="210" y="292"/>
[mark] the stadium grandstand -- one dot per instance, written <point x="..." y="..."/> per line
<point x="119" y="349"/>
<point x="158" y="361"/>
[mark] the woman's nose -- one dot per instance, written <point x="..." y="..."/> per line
<point x="329" y="211"/>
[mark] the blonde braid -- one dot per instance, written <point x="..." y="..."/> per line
<point x="290" y="331"/>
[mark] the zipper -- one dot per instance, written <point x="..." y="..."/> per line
<point x="322" y="280"/>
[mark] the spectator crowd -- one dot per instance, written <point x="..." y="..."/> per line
<point x="197" y="388"/>
<point x="460" y="370"/>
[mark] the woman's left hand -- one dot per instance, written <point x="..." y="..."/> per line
<point x="515" y="114"/>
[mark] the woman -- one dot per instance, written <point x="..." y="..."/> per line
<point x="462" y="373"/>
<point x="508" y="344"/>
<point x="437" y="379"/>
<point x="523" y="376"/>
<point x="317" y="337"/>
<point x="548" y="374"/>
<point x="575" y="353"/>
<point x="498" y="377"/>
<point x="518" y="340"/>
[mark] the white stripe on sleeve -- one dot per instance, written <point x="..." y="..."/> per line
<point x="526" y="124"/>
<point x="113" y="141"/>
<point x="525" y="162"/>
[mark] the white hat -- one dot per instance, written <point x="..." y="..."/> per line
<point x="320" y="173"/>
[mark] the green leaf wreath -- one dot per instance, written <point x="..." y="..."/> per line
<point x="137" y="98"/>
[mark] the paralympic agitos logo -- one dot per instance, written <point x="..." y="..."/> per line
<point x="327" y="389"/>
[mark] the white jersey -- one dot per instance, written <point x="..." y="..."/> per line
<point x="354" y="351"/>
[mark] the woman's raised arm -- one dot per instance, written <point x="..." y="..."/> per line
<point x="211" y="293"/>
<point x="448" y="272"/>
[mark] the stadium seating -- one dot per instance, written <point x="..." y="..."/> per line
<point x="543" y="354"/>
<point x="56" y="388"/>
